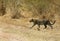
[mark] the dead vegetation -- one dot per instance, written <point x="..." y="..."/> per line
<point x="29" y="8"/>
<point x="15" y="16"/>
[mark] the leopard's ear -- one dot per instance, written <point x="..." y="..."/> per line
<point x="54" y="20"/>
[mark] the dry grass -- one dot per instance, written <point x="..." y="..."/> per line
<point x="10" y="32"/>
<point x="19" y="29"/>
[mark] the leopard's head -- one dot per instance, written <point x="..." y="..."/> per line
<point x="31" y="20"/>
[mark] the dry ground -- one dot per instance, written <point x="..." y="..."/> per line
<point x="19" y="30"/>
